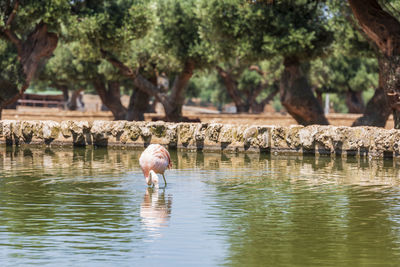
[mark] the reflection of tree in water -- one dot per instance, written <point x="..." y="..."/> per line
<point x="304" y="212"/>
<point x="69" y="192"/>
<point x="372" y="227"/>
<point x="155" y="210"/>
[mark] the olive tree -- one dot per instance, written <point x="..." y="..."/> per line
<point x="177" y="34"/>
<point x="292" y="30"/>
<point x="382" y="26"/>
<point x="28" y="32"/>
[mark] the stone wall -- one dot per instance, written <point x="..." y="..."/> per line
<point x="363" y="141"/>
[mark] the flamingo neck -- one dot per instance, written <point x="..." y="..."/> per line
<point x="152" y="179"/>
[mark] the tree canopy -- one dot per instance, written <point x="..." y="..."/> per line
<point x="234" y="50"/>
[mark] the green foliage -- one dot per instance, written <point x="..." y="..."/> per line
<point x="209" y="88"/>
<point x="368" y="94"/>
<point x="11" y="69"/>
<point x="276" y="104"/>
<point x="352" y="63"/>
<point x="148" y="54"/>
<point x="392" y="7"/>
<point x="94" y="26"/>
<point x="159" y="36"/>
<point x="31" y="12"/>
<point x="11" y="75"/>
<point x="337" y="103"/>
<point x="249" y="80"/>
<point x="342" y="73"/>
<point x="108" y="25"/>
<point x="259" y="30"/>
<point x="179" y="31"/>
<point x="68" y="68"/>
<point x="18" y="20"/>
<point x="250" y="32"/>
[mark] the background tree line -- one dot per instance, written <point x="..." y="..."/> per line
<point x="247" y="52"/>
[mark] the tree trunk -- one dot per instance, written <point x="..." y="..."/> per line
<point x="64" y="90"/>
<point x="231" y="87"/>
<point x="152" y="107"/>
<point x="384" y="29"/>
<point x="391" y="85"/>
<point x="138" y="105"/>
<point x="172" y="103"/>
<point x="259" y="107"/>
<point x="32" y="53"/>
<point x="319" y="96"/>
<point x="378" y="110"/>
<point x="297" y="96"/>
<point x="73" y="103"/>
<point x="9" y="93"/>
<point x="354" y="101"/>
<point x="111" y="98"/>
<point x="173" y="107"/>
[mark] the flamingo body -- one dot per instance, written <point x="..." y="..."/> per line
<point x="154" y="159"/>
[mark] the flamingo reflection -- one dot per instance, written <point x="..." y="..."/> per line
<point x="155" y="210"/>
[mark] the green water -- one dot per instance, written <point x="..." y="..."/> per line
<point x="84" y="207"/>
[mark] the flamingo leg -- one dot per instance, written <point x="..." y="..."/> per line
<point x="165" y="181"/>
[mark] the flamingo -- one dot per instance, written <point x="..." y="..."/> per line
<point x="154" y="159"/>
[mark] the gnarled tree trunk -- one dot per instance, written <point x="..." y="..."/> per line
<point x="73" y="102"/>
<point x="391" y="72"/>
<point x="173" y="102"/>
<point x="139" y="102"/>
<point x="248" y="103"/>
<point x="64" y="90"/>
<point x="32" y="52"/>
<point x="354" y="101"/>
<point x="231" y="86"/>
<point x="258" y="107"/>
<point x="138" y="105"/>
<point x="384" y="30"/>
<point x="111" y="97"/>
<point x="378" y="110"/>
<point x="297" y="96"/>
<point x="319" y="96"/>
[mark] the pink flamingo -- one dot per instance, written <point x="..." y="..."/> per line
<point x="154" y="159"/>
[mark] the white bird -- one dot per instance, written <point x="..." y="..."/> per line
<point x="154" y="159"/>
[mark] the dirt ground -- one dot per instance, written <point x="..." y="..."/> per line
<point x="92" y="111"/>
<point x="267" y="118"/>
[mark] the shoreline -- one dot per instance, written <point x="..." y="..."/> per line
<point x="295" y="139"/>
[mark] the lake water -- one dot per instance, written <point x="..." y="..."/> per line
<point x="85" y="207"/>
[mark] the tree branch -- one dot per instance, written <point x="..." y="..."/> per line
<point x="124" y="70"/>
<point x="378" y="24"/>
<point x="270" y="96"/>
<point x="263" y="85"/>
<point x="230" y="86"/>
<point x="261" y="72"/>
<point x="7" y="29"/>
<point x="351" y="20"/>
<point x="257" y="91"/>
<point x="13" y="13"/>
<point x="181" y="82"/>
<point x="139" y="81"/>
<point x="258" y="70"/>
